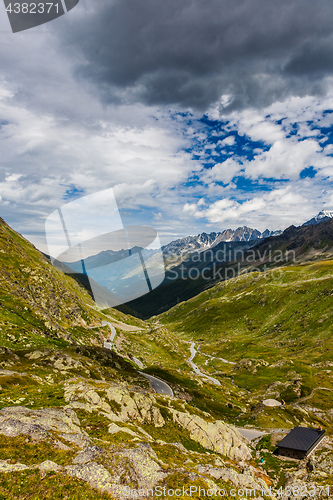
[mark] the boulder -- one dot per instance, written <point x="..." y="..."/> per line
<point x="245" y="480"/>
<point x="216" y="436"/>
<point x="38" y="424"/>
<point x="88" y="455"/>
<point x="144" y="464"/>
<point x="7" y="467"/>
<point x="49" y="466"/>
<point x="94" y="474"/>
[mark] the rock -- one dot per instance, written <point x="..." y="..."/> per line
<point x="6" y="467"/>
<point x="61" y="446"/>
<point x="7" y="373"/>
<point x="324" y="465"/>
<point x="95" y="474"/>
<point x="250" y="365"/>
<point x="132" y="406"/>
<point x="180" y="446"/>
<point x="114" y="428"/>
<point x="49" y="466"/>
<point x="216" y="436"/>
<point x="73" y="392"/>
<point x="244" y="480"/>
<point x="88" y="455"/>
<point x="64" y="362"/>
<point x="36" y="354"/>
<point x="18" y="420"/>
<point x="138" y="407"/>
<point x="79" y="439"/>
<point x="12" y="428"/>
<point x="146" y="470"/>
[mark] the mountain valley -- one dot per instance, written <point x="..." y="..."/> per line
<point x="80" y="420"/>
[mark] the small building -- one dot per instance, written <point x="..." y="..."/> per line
<point x="108" y="345"/>
<point x="300" y="442"/>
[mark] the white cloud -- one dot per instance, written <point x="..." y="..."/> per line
<point x="221" y="172"/>
<point x="285" y="159"/>
<point x="257" y="127"/>
<point x="144" y="161"/>
<point x="274" y="210"/>
<point x="228" y="141"/>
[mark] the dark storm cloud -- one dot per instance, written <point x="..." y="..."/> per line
<point x="190" y="52"/>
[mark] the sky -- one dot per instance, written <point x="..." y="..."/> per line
<point x="201" y="115"/>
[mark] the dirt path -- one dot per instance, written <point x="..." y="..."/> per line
<point x="312" y="392"/>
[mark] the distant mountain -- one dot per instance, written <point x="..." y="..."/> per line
<point x="174" y="254"/>
<point x="205" y="241"/>
<point x="102" y="259"/>
<point x="202" y="270"/>
<point x="321" y="217"/>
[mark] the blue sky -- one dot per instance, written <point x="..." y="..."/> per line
<point x="230" y="127"/>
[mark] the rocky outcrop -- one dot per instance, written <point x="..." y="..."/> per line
<point x="119" y="404"/>
<point x="88" y="455"/>
<point x="244" y="480"/>
<point x="216" y="436"/>
<point x="250" y="365"/>
<point x="5" y="466"/>
<point x="38" y="424"/>
<point x="138" y="467"/>
<point x="93" y="473"/>
<point x="144" y="465"/>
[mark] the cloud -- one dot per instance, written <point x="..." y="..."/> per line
<point x="275" y="210"/>
<point x="194" y="53"/>
<point x="285" y="159"/>
<point x="228" y="141"/>
<point x="130" y="95"/>
<point x="47" y="159"/>
<point x="222" y="172"/>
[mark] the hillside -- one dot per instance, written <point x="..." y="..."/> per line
<point x="276" y="327"/>
<point x="81" y="421"/>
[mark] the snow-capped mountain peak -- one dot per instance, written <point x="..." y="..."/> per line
<point x="321" y="217"/>
<point x="204" y="241"/>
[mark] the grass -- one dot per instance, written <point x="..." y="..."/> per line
<point x="21" y="449"/>
<point x="172" y="433"/>
<point x="263" y="319"/>
<point x="31" y="485"/>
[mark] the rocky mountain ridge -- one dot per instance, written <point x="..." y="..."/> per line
<point x="205" y="241"/>
<point x="320" y="217"/>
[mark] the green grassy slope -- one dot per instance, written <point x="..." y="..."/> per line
<point x="288" y="313"/>
<point x="39" y="305"/>
<point x="278" y="331"/>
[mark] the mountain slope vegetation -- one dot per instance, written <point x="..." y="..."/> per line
<point x="85" y="420"/>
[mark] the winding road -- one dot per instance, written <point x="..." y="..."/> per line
<point x="158" y="385"/>
<point x="109" y="342"/>
<point x="213" y="357"/>
<point x="195" y="367"/>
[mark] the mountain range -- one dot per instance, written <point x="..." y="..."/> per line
<point x="123" y="282"/>
<point x="178" y="249"/>
<point x="204" y="241"/>
<point x="202" y="270"/>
